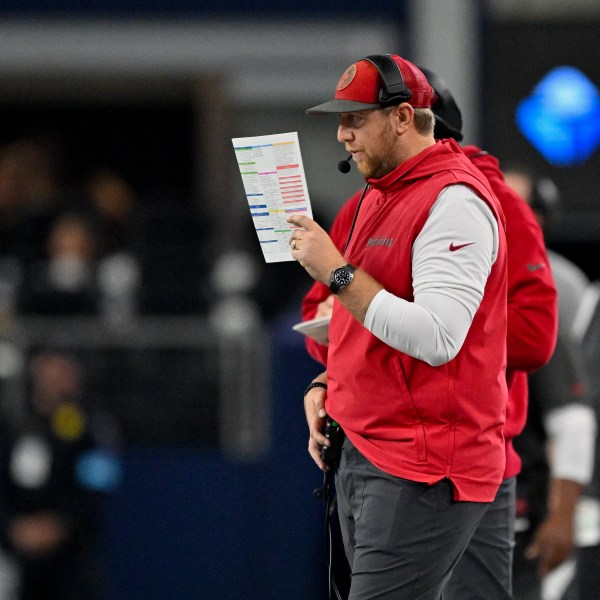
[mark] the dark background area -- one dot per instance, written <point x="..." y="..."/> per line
<point x="152" y="145"/>
<point x="517" y="57"/>
<point x="250" y="8"/>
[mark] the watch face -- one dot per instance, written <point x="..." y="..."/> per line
<point x="342" y="276"/>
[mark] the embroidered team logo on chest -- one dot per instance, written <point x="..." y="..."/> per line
<point x="381" y="241"/>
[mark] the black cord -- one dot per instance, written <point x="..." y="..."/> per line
<point x="331" y="457"/>
<point x="332" y="586"/>
<point x="325" y="492"/>
<point x="355" y="217"/>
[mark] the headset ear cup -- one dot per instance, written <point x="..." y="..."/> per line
<point x="394" y="89"/>
<point x="448" y="118"/>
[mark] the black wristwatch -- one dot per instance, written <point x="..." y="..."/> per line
<point x="340" y="278"/>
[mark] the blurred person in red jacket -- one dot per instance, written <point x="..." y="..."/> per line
<point x="559" y="439"/>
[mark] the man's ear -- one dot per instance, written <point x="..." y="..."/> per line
<point x="404" y="114"/>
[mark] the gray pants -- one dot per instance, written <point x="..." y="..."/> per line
<point x="485" y="570"/>
<point x="402" y="538"/>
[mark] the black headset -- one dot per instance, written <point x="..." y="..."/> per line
<point x="448" y="118"/>
<point x="394" y="89"/>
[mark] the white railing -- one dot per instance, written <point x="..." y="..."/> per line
<point x="182" y="380"/>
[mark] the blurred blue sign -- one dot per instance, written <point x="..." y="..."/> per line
<point x="561" y="118"/>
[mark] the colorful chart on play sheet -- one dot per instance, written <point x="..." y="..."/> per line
<point x="275" y="185"/>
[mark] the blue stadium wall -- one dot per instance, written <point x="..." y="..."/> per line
<point x="190" y="525"/>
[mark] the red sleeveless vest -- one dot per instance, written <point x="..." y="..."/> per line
<point x="408" y="418"/>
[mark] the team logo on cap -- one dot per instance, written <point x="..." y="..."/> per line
<point x="346" y="78"/>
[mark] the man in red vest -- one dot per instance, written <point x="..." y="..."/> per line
<point x="417" y="340"/>
<point x="485" y="570"/>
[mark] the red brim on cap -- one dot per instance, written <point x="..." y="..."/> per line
<point x="339" y="106"/>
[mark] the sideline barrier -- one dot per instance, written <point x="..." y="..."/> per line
<point x="234" y="518"/>
<point x="167" y="380"/>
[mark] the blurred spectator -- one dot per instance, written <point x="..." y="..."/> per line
<point x="543" y="196"/>
<point x="74" y="280"/>
<point x="94" y="248"/>
<point x="55" y="467"/>
<point x="31" y="195"/>
<point x="588" y="511"/>
<point x="115" y="213"/>
<point x="558" y="442"/>
<point x="10" y="203"/>
<point x="63" y="283"/>
<point x="557" y="447"/>
<point x="114" y="206"/>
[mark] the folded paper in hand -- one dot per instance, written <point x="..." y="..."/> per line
<point x="315" y="328"/>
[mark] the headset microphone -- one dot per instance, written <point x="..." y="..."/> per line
<point x="344" y="165"/>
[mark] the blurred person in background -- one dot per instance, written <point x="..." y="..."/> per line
<point x="55" y="467"/>
<point x="542" y="194"/>
<point x="587" y="573"/>
<point x="74" y="279"/>
<point x="10" y="204"/>
<point x="558" y="443"/>
<point x="485" y="570"/>
<point x="64" y="253"/>
<point x="30" y="197"/>
<point x="114" y="207"/>
<point x="114" y="213"/>
<point x="32" y="194"/>
<point x="557" y="447"/>
<point x="64" y="281"/>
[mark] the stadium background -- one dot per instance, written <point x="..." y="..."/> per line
<point x="157" y="89"/>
